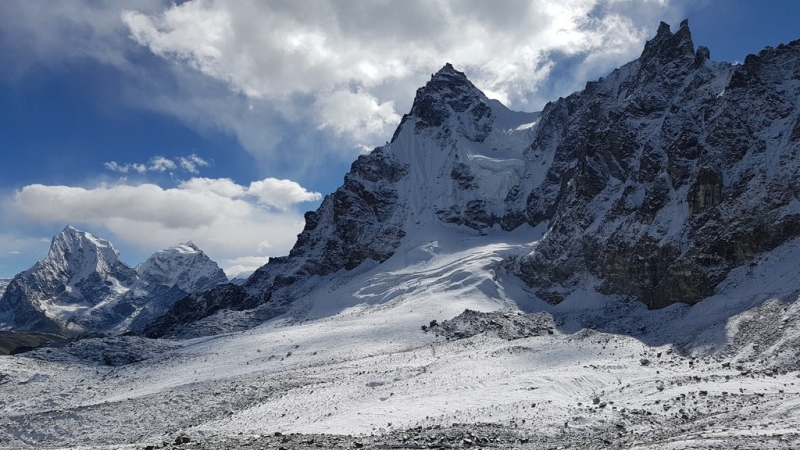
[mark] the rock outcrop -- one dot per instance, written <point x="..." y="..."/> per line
<point x="668" y="173"/>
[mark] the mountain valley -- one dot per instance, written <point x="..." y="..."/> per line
<point x="618" y="270"/>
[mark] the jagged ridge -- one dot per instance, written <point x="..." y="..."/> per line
<point x="671" y="171"/>
<point x="654" y="182"/>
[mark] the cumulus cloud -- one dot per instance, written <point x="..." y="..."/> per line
<point x="347" y="69"/>
<point x="272" y="192"/>
<point x="354" y="59"/>
<point x="227" y="220"/>
<point x="280" y="193"/>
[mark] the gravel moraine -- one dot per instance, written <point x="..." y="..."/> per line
<point x="482" y="436"/>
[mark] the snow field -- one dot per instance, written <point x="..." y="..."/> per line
<point x="359" y="363"/>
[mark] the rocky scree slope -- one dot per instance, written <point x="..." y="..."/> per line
<point x="82" y="286"/>
<point x="653" y="182"/>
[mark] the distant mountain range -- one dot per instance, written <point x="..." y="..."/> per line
<point x="82" y="286"/>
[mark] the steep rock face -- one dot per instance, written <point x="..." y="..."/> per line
<point x="83" y="286"/>
<point x="668" y="173"/>
<point x="59" y="293"/>
<point x="456" y="158"/>
<point x="653" y="182"/>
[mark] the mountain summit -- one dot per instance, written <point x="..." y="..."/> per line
<point x="83" y="286"/>
<point x="652" y="183"/>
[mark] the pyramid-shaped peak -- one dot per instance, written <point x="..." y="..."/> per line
<point x="448" y="79"/>
<point x="71" y="236"/>
<point x="79" y="252"/>
<point x="70" y="233"/>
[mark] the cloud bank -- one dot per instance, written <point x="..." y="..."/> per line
<point x="266" y="72"/>
<point x="358" y="62"/>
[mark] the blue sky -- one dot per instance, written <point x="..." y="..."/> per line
<point x="149" y="123"/>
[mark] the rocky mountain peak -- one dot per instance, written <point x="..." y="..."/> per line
<point x="448" y="95"/>
<point x="448" y="72"/>
<point x="667" y="47"/>
<point x="83" y="286"/>
<point x="78" y="254"/>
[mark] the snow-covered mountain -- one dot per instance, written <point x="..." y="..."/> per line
<point x="456" y="162"/>
<point x="532" y="224"/>
<point x="667" y="174"/>
<point x="653" y="183"/>
<point x="83" y="286"/>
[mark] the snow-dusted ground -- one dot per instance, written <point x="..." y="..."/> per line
<point x="358" y="362"/>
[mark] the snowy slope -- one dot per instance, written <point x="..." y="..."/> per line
<point x="648" y="378"/>
<point x="83" y="286"/>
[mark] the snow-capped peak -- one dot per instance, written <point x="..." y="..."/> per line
<point x="82" y="285"/>
<point x="183" y="265"/>
<point x="78" y="254"/>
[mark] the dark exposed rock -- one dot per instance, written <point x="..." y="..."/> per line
<point x="614" y="199"/>
<point x="505" y="325"/>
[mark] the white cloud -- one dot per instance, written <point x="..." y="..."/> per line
<point x="271" y="192"/>
<point x="220" y="186"/>
<point x="280" y="193"/>
<point x="346" y="70"/>
<point x="225" y="219"/>
<point x="191" y="163"/>
<point x="360" y="61"/>
<point x="357" y="113"/>
<point x="113" y="165"/>
<point x="160" y="164"/>
<point x="243" y="266"/>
